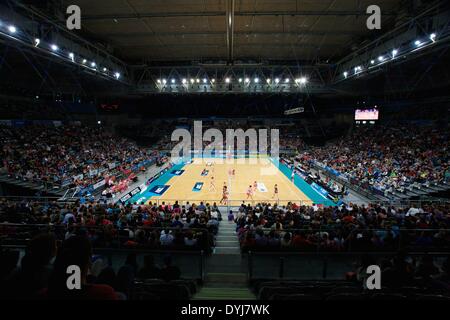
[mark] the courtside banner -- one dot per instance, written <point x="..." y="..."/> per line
<point x="99" y="184"/>
<point x="130" y="194"/>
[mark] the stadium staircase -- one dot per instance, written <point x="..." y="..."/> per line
<point x="226" y="277"/>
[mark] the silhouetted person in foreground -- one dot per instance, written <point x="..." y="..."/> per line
<point x="76" y="251"/>
<point x="169" y="272"/>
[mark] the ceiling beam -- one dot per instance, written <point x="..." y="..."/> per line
<point x="333" y="13"/>
<point x="236" y="33"/>
<point x="230" y="30"/>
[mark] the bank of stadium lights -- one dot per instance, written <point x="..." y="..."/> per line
<point x="418" y="43"/>
<point x="394" y="53"/>
<point x="213" y="80"/>
<point x="54" y="47"/>
<point x="433" y="37"/>
<point x="205" y="80"/>
<point x="72" y="56"/>
<point x="301" y="80"/>
<point x="12" y="29"/>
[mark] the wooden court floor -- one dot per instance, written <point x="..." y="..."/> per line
<point x="247" y="171"/>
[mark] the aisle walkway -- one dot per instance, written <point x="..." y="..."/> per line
<point x="226" y="277"/>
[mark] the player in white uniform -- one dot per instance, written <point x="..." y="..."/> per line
<point x="275" y="193"/>
<point x="212" y="185"/>
<point x="250" y="193"/>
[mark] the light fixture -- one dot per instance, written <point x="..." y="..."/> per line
<point x="12" y="29"/>
<point x="197" y="80"/>
<point x="433" y="37"/>
<point x="164" y="81"/>
<point x="240" y="80"/>
<point x="213" y="80"/>
<point x="256" y="80"/>
<point x="268" y="80"/>
<point x="173" y="81"/>
<point x="286" y="80"/>
<point x="418" y="43"/>
<point x="54" y="47"/>
<point x="159" y="80"/>
<point x="184" y="81"/>
<point x="227" y="80"/>
<point x="380" y="58"/>
<point x="394" y="53"/>
<point x="205" y="80"/>
<point x="84" y="61"/>
<point x="303" y="80"/>
<point x="117" y="75"/>
<point x="104" y="69"/>
<point x="345" y="74"/>
<point x="247" y="80"/>
<point x="71" y="56"/>
<point x="372" y="61"/>
<point x="192" y="80"/>
<point x="37" y="42"/>
<point x="277" y="80"/>
<point x="93" y="64"/>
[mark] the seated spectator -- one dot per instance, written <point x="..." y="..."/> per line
<point x="166" y="238"/>
<point x="76" y="251"/>
<point x="150" y="270"/>
<point x="168" y="271"/>
<point x="35" y="270"/>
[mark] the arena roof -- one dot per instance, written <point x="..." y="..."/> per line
<point x="196" y="30"/>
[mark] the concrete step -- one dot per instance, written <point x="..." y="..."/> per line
<point x="233" y="251"/>
<point x="226" y="238"/>
<point x="225" y="293"/>
<point x="226" y="277"/>
<point x="225" y="243"/>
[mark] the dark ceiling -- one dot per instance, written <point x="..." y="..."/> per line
<point x="176" y="30"/>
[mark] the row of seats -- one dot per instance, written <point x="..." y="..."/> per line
<point x="155" y="289"/>
<point x="339" y="290"/>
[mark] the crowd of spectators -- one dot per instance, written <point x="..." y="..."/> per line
<point x="342" y="228"/>
<point x="76" y="155"/>
<point x="42" y="273"/>
<point x="388" y="158"/>
<point x="135" y="226"/>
